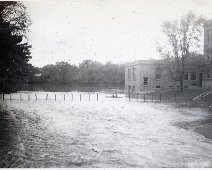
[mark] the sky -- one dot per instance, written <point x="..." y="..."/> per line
<point x="116" y="31"/>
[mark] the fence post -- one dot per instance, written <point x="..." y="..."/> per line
<point x="137" y="96"/>
<point x="28" y="97"/>
<point x="80" y="97"/>
<point x="36" y="96"/>
<point x="97" y="97"/>
<point x="46" y="97"/>
<point x="129" y="96"/>
<point x="3" y="96"/>
<point x="20" y="96"/>
<point x="72" y="97"/>
<point x="160" y="97"/>
<point x="64" y="97"/>
<point x="55" y="97"/>
<point x="152" y="97"/>
<point x="10" y="97"/>
<point x="144" y="97"/>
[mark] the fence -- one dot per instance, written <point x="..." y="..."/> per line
<point x="153" y="97"/>
<point x="60" y="96"/>
<point x="90" y="96"/>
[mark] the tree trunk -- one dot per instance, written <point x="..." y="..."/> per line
<point x="181" y="81"/>
<point x="182" y="73"/>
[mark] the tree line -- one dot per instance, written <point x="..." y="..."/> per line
<point x="88" y="72"/>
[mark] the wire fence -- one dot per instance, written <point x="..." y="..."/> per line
<point x="60" y="96"/>
<point x="92" y="96"/>
<point x="153" y="97"/>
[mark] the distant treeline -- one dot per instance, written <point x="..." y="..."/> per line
<point x="88" y="72"/>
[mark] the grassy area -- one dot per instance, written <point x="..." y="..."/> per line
<point x="173" y="95"/>
<point x="208" y="99"/>
<point x="176" y="95"/>
<point x="185" y="98"/>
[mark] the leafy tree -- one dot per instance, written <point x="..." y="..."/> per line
<point x="14" y="49"/>
<point x="184" y="37"/>
<point x="88" y="72"/>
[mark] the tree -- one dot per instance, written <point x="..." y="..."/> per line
<point x="14" y="49"/>
<point x="184" y="37"/>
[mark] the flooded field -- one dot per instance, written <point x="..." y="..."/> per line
<point x="107" y="133"/>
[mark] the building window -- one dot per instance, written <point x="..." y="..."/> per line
<point x="208" y="35"/>
<point x="133" y="73"/>
<point x="193" y="76"/>
<point x="209" y="75"/>
<point x="157" y="87"/>
<point x="158" y="73"/>
<point x="145" y="80"/>
<point x="193" y="83"/>
<point x="158" y="70"/>
<point x="157" y="76"/>
<point x="185" y="76"/>
<point x="211" y="34"/>
<point x="129" y="74"/>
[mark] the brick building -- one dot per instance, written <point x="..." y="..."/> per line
<point x="208" y="53"/>
<point x="151" y="75"/>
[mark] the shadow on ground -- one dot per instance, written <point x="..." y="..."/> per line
<point x="10" y="155"/>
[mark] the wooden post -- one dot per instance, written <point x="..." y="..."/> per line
<point x="129" y="96"/>
<point x="10" y="97"/>
<point x="28" y="97"/>
<point x="3" y="96"/>
<point x="55" y="97"/>
<point x="160" y="97"/>
<point x="46" y="97"/>
<point x="36" y="96"/>
<point x="144" y="97"/>
<point x="80" y="97"/>
<point x="20" y="96"/>
<point x="64" y="97"/>
<point x="72" y="97"/>
<point x="97" y="97"/>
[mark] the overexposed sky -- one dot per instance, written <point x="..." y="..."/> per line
<point x="102" y="30"/>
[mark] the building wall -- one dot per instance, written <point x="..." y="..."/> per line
<point x="208" y="39"/>
<point x="197" y="77"/>
<point x="132" y="81"/>
<point x="158" y="77"/>
<point x="146" y="79"/>
<point x="199" y="74"/>
<point x="207" y="79"/>
<point x="207" y="82"/>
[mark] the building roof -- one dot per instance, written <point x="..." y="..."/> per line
<point x="144" y="62"/>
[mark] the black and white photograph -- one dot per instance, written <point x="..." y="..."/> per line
<point x="106" y="84"/>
